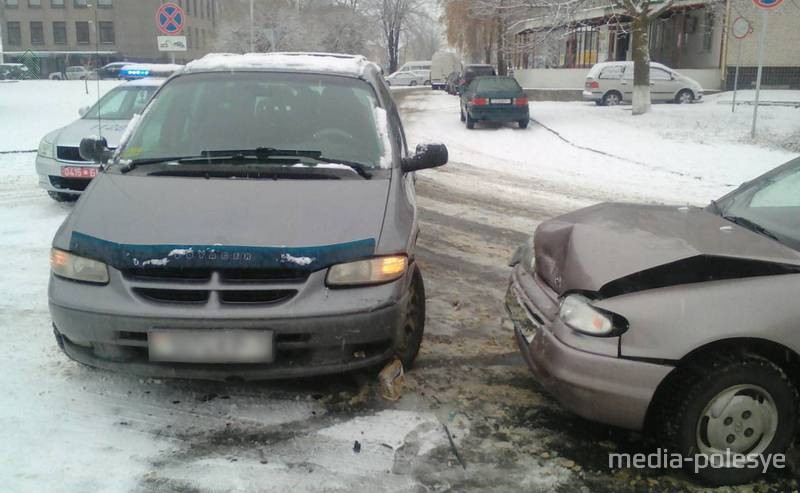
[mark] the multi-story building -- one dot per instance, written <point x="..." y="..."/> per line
<point x="94" y="32"/>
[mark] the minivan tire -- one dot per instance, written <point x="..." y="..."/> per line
<point x="685" y="96"/>
<point x="690" y="395"/>
<point x="412" y="83"/>
<point x="409" y="339"/>
<point x="523" y="123"/>
<point x="612" y="98"/>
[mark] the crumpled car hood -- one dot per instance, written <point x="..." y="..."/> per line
<point x="589" y="249"/>
<point x="138" y="221"/>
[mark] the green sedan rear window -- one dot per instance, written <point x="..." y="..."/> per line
<point x="497" y="85"/>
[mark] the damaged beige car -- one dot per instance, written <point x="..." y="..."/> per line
<point x="682" y="321"/>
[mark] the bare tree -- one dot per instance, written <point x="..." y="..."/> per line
<point x="393" y="17"/>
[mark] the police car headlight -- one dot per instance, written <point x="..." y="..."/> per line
<point x="46" y="149"/>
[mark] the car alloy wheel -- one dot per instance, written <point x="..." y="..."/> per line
<point x="685" y="97"/>
<point x="611" y="99"/>
<point x="742" y="419"/>
<point x="730" y="402"/>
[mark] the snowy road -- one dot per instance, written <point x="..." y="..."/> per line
<point x="68" y="428"/>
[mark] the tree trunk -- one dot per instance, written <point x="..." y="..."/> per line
<point x="641" y="64"/>
<point x="501" y="34"/>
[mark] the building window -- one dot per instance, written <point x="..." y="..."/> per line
<point x="37" y="33"/>
<point x="35" y="4"/>
<point x="82" y="33"/>
<point x="14" y="34"/>
<point x="105" y="3"/>
<point x="57" y="4"/>
<point x="708" y="31"/>
<point x="79" y="4"/>
<point x="12" y="3"/>
<point x="194" y="6"/>
<point x="106" y="32"/>
<point x="60" y="33"/>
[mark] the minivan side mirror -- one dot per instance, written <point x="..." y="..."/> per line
<point x="95" y="149"/>
<point x="83" y="110"/>
<point x="426" y="156"/>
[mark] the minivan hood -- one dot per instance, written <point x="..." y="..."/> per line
<point x="590" y="249"/>
<point x="130" y="221"/>
<point x="71" y="135"/>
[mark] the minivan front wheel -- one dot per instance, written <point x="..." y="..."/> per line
<point x="684" y="97"/>
<point x="612" y="98"/>
<point x="736" y="405"/>
<point x="409" y="337"/>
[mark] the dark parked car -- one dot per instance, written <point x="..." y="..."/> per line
<point x="258" y="221"/>
<point x="451" y="84"/>
<point x="494" y="99"/>
<point x="471" y="71"/>
<point x="680" y="320"/>
<point x="111" y="70"/>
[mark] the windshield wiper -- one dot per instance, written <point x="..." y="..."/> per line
<point x="755" y="227"/>
<point x="258" y="154"/>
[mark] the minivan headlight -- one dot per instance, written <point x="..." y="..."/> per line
<point x="371" y="271"/>
<point x="578" y="313"/>
<point x="70" y="266"/>
<point x="46" y="149"/>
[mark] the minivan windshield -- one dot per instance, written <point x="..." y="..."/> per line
<point x="121" y="103"/>
<point x="197" y="114"/>
<point x="769" y="205"/>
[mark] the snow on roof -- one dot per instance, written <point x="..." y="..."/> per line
<point x="153" y="67"/>
<point x="301" y="62"/>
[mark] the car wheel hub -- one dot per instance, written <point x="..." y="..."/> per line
<point x="742" y="419"/>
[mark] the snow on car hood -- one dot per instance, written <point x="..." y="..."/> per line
<point x="139" y="221"/>
<point x="71" y="135"/>
<point x="591" y="248"/>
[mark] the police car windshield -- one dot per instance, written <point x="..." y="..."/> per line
<point x="121" y="103"/>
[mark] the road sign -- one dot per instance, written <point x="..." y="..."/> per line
<point x="767" y="4"/>
<point x="741" y="28"/>
<point x="172" y="43"/>
<point x="170" y="19"/>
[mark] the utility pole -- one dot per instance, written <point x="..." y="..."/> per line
<point x="252" y="30"/>
<point x="2" y="57"/>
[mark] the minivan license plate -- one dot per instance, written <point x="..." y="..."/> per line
<point x="211" y="346"/>
<point x="501" y="101"/>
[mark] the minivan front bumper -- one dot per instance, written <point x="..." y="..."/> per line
<point x="319" y="331"/>
<point x="600" y="388"/>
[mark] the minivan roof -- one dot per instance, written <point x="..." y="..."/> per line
<point x="352" y="65"/>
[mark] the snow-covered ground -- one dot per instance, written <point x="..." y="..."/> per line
<point x="68" y="428"/>
<point x="676" y="153"/>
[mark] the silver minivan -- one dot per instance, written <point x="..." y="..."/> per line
<point x="610" y="83"/>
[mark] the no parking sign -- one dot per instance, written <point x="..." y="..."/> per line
<point x="767" y="4"/>
<point x="170" y="19"/>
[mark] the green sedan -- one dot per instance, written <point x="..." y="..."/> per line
<point x="494" y="99"/>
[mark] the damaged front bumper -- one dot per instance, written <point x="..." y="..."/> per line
<point x="596" y="386"/>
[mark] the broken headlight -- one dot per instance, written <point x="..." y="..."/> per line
<point x="579" y="314"/>
<point x="371" y="271"/>
<point x="525" y="256"/>
<point x="69" y="266"/>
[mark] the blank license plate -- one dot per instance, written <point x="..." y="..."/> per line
<point x="500" y="101"/>
<point x="78" y="172"/>
<point x="211" y="346"/>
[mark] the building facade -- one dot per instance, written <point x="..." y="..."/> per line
<point x="92" y="33"/>
<point x="693" y="36"/>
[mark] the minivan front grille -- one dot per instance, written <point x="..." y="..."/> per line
<point x="231" y="286"/>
